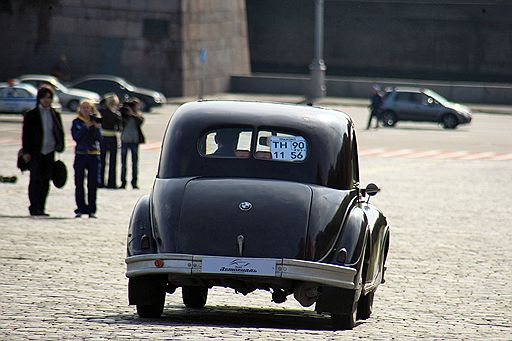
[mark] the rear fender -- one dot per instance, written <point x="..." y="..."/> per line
<point x="140" y="234"/>
<point x="353" y="238"/>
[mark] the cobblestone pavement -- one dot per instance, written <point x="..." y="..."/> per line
<point x="449" y="266"/>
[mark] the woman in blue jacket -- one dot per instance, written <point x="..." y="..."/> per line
<point x="87" y="135"/>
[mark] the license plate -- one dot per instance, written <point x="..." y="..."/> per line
<point x="239" y="266"/>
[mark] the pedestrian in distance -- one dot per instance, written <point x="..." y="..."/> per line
<point x="111" y="124"/>
<point x="42" y="136"/>
<point x="61" y="69"/>
<point x="86" y="132"/>
<point x="375" y="107"/>
<point x="131" y="137"/>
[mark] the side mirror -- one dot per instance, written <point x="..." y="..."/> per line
<point x="371" y="189"/>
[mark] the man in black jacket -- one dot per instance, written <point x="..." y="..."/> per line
<point x="43" y="135"/>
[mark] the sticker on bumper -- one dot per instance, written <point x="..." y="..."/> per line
<point x="239" y="266"/>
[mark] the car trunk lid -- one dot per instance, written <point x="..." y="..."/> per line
<point x="244" y="217"/>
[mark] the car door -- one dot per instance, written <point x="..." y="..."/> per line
<point x="429" y="108"/>
<point x="100" y="86"/>
<point x="404" y="106"/>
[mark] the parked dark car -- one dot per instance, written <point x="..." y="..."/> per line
<point x="258" y="196"/>
<point x="70" y="98"/>
<point x="422" y="105"/>
<point x="103" y="84"/>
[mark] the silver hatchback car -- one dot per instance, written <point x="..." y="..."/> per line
<point x="421" y="105"/>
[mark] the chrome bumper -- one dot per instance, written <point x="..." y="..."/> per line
<point x="288" y="269"/>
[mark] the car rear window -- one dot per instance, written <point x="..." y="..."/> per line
<point x="271" y="145"/>
<point x="226" y="143"/>
<point x="279" y="146"/>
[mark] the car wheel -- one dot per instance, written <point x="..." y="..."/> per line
<point x="450" y="121"/>
<point x="151" y="310"/>
<point x="389" y="118"/>
<point x="194" y="297"/>
<point x="365" y="305"/>
<point x="345" y="321"/>
<point x="73" y="105"/>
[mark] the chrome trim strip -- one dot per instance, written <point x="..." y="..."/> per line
<point x="289" y="269"/>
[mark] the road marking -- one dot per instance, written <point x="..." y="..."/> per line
<point x="394" y="153"/>
<point x="374" y="151"/>
<point x="502" y="157"/>
<point x="424" y="154"/>
<point x="453" y="155"/>
<point x="478" y="156"/>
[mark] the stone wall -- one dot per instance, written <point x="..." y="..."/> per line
<point x="221" y="29"/>
<point x="443" y="40"/>
<point x="153" y="43"/>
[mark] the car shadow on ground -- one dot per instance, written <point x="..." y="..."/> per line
<point x="229" y="317"/>
<point x="423" y="128"/>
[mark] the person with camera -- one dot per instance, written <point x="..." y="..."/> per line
<point x="111" y="124"/>
<point x="131" y="137"/>
<point x="86" y="131"/>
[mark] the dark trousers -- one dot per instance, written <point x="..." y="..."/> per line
<point x="376" y="114"/>
<point x="40" y="167"/>
<point x="109" y="145"/>
<point x="134" y="149"/>
<point x="90" y="164"/>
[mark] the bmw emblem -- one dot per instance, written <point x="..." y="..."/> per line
<point x="245" y="206"/>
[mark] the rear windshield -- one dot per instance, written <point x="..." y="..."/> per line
<point x="274" y="145"/>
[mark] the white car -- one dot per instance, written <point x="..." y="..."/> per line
<point x="69" y="97"/>
<point x="20" y="97"/>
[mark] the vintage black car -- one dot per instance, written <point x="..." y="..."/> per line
<point x="253" y="195"/>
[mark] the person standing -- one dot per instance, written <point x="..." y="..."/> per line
<point x="131" y="137"/>
<point x="110" y="126"/>
<point x="42" y="136"/>
<point x="375" y="105"/>
<point x="86" y="132"/>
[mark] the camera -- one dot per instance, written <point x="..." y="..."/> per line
<point x="96" y="119"/>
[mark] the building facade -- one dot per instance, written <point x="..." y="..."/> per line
<point x="153" y="43"/>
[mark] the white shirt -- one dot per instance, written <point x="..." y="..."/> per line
<point x="48" y="137"/>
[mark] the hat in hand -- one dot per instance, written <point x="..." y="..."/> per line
<point x="59" y="174"/>
<point x="20" y="163"/>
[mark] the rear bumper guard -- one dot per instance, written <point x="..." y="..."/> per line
<point x="241" y="267"/>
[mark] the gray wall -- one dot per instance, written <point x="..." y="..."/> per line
<point x="153" y="43"/>
<point x="443" y="40"/>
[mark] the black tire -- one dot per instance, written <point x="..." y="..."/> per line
<point x="449" y="121"/>
<point x="151" y="311"/>
<point x="345" y="321"/>
<point x="388" y="118"/>
<point x="194" y="297"/>
<point x="365" y="305"/>
<point x="73" y="105"/>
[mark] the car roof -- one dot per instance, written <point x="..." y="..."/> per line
<point x="36" y="76"/>
<point x="25" y="86"/>
<point x="100" y="76"/>
<point x="406" y="89"/>
<point x="328" y="131"/>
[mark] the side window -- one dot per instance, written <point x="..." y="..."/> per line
<point x="226" y="143"/>
<point x="21" y="93"/>
<point x="278" y="146"/>
<point x="403" y="97"/>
